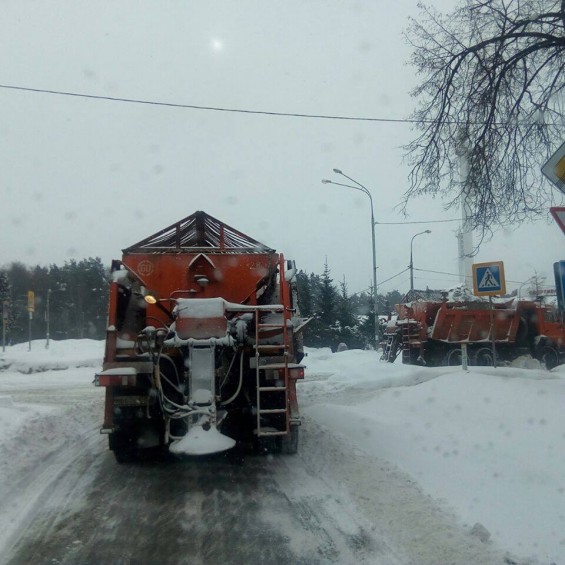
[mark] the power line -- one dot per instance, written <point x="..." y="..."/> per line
<point x="441" y="273"/>
<point x="380" y="283"/>
<point x="208" y="108"/>
<point x="393" y="277"/>
<point x="419" y="222"/>
<point x="241" y="110"/>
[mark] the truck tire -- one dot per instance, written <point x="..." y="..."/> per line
<point x="483" y="357"/>
<point x="549" y="357"/>
<point x="453" y="357"/>
<point x="125" y="455"/>
<point x="123" y="447"/>
<point x="289" y="443"/>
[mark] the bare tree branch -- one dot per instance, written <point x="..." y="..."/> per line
<point x="491" y="89"/>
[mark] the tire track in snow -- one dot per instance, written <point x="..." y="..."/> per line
<point x="46" y="485"/>
<point x="417" y="528"/>
<point x="53" y="446"/>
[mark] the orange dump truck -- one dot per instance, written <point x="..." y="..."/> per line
<point x="432" y="333"/>
<point x="203" y="344"/>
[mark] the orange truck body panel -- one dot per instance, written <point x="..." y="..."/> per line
<point x="459" y="325"/>
<point x="214" y="347"/>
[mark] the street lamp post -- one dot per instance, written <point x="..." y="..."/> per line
<point x="47" y="318"/>
<point x="62" y="288"/>
<point x="365" y="190"/>
<point x="5" y="305"/>
<point x="411" y="258"/>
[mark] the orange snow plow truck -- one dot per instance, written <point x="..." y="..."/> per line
<point x="432" y="332"/>
<point x="203" y="345"/>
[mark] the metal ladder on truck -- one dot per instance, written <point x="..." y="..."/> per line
<point x="410" y="340"/>
<point x="390" y="351"/>
<point x="272" y="400"/>
<point x="272" y="361"/>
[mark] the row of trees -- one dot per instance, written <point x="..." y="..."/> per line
<point x="337" y="316"/>
<point x="72" y="297"/>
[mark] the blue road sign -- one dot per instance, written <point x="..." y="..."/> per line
<point x="488" y="279"/>
<point x="559" y="273"/>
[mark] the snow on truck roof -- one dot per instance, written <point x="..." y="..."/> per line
<point x="199" y="231"/>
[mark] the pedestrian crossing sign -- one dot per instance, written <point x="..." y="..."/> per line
<point x="488" y="279"/>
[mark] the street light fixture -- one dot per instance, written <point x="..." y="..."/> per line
<point x="519" y="293"/>
<point x="365" y="190"/>
<point x="411" y="258"/>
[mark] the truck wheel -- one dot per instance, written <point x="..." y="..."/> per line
<point x="289" y="443"/>
<point x="267" y="445"/>
<point x="124" y="450"/>
<point x="549" y="357"/>
<point x="453" y="358"/>
<point x="483" y="358"/>
<point x="125" y="455"/>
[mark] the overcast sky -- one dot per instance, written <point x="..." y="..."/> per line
<point x="82" y="177"/>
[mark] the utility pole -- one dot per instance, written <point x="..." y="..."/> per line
<point x="4" y="323"/>
<point x="30" y="309"/>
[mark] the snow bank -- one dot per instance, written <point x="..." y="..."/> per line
<point x="61" y="355"/>
<point x="355" y="369"/>
<point x="489" y="443"/>
<point x="22" y="370"/>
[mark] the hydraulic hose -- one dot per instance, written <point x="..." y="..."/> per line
<point x="240" y="382"/>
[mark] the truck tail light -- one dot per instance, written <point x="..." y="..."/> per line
<point x="115" y="379"/>
<point x="297" y="373"/>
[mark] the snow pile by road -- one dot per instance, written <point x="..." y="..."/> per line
<point x="489" y="443"/>
<point x="43" y="370"/>
<point x="59" y="356"/>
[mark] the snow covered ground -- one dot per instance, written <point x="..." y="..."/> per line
<point x="488" y="444"/>
<point x="40" y="370"/>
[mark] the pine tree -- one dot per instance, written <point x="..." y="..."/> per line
<point x="85" y="286"/>
<point x="349" y="331"/>
<point x="327" y="299"/>
<point x="5" y="303"/>
<point x="58" y="304"/>
<point x="367" y="326"/>
<point x="20" y="279"/>
<point x="323" y="331"/>
<point x="304" y="294"/>
<point x="344" y="310"/>
<point x="94" y="281"/>
<point x="4" y="286"/>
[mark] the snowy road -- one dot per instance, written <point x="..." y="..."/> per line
<point x="206" y="511"/>
<point x="327" y="505"/>
<point x="70" y="502"/>
<point x="77" y="505"/>
<point x="66" y="501"/>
